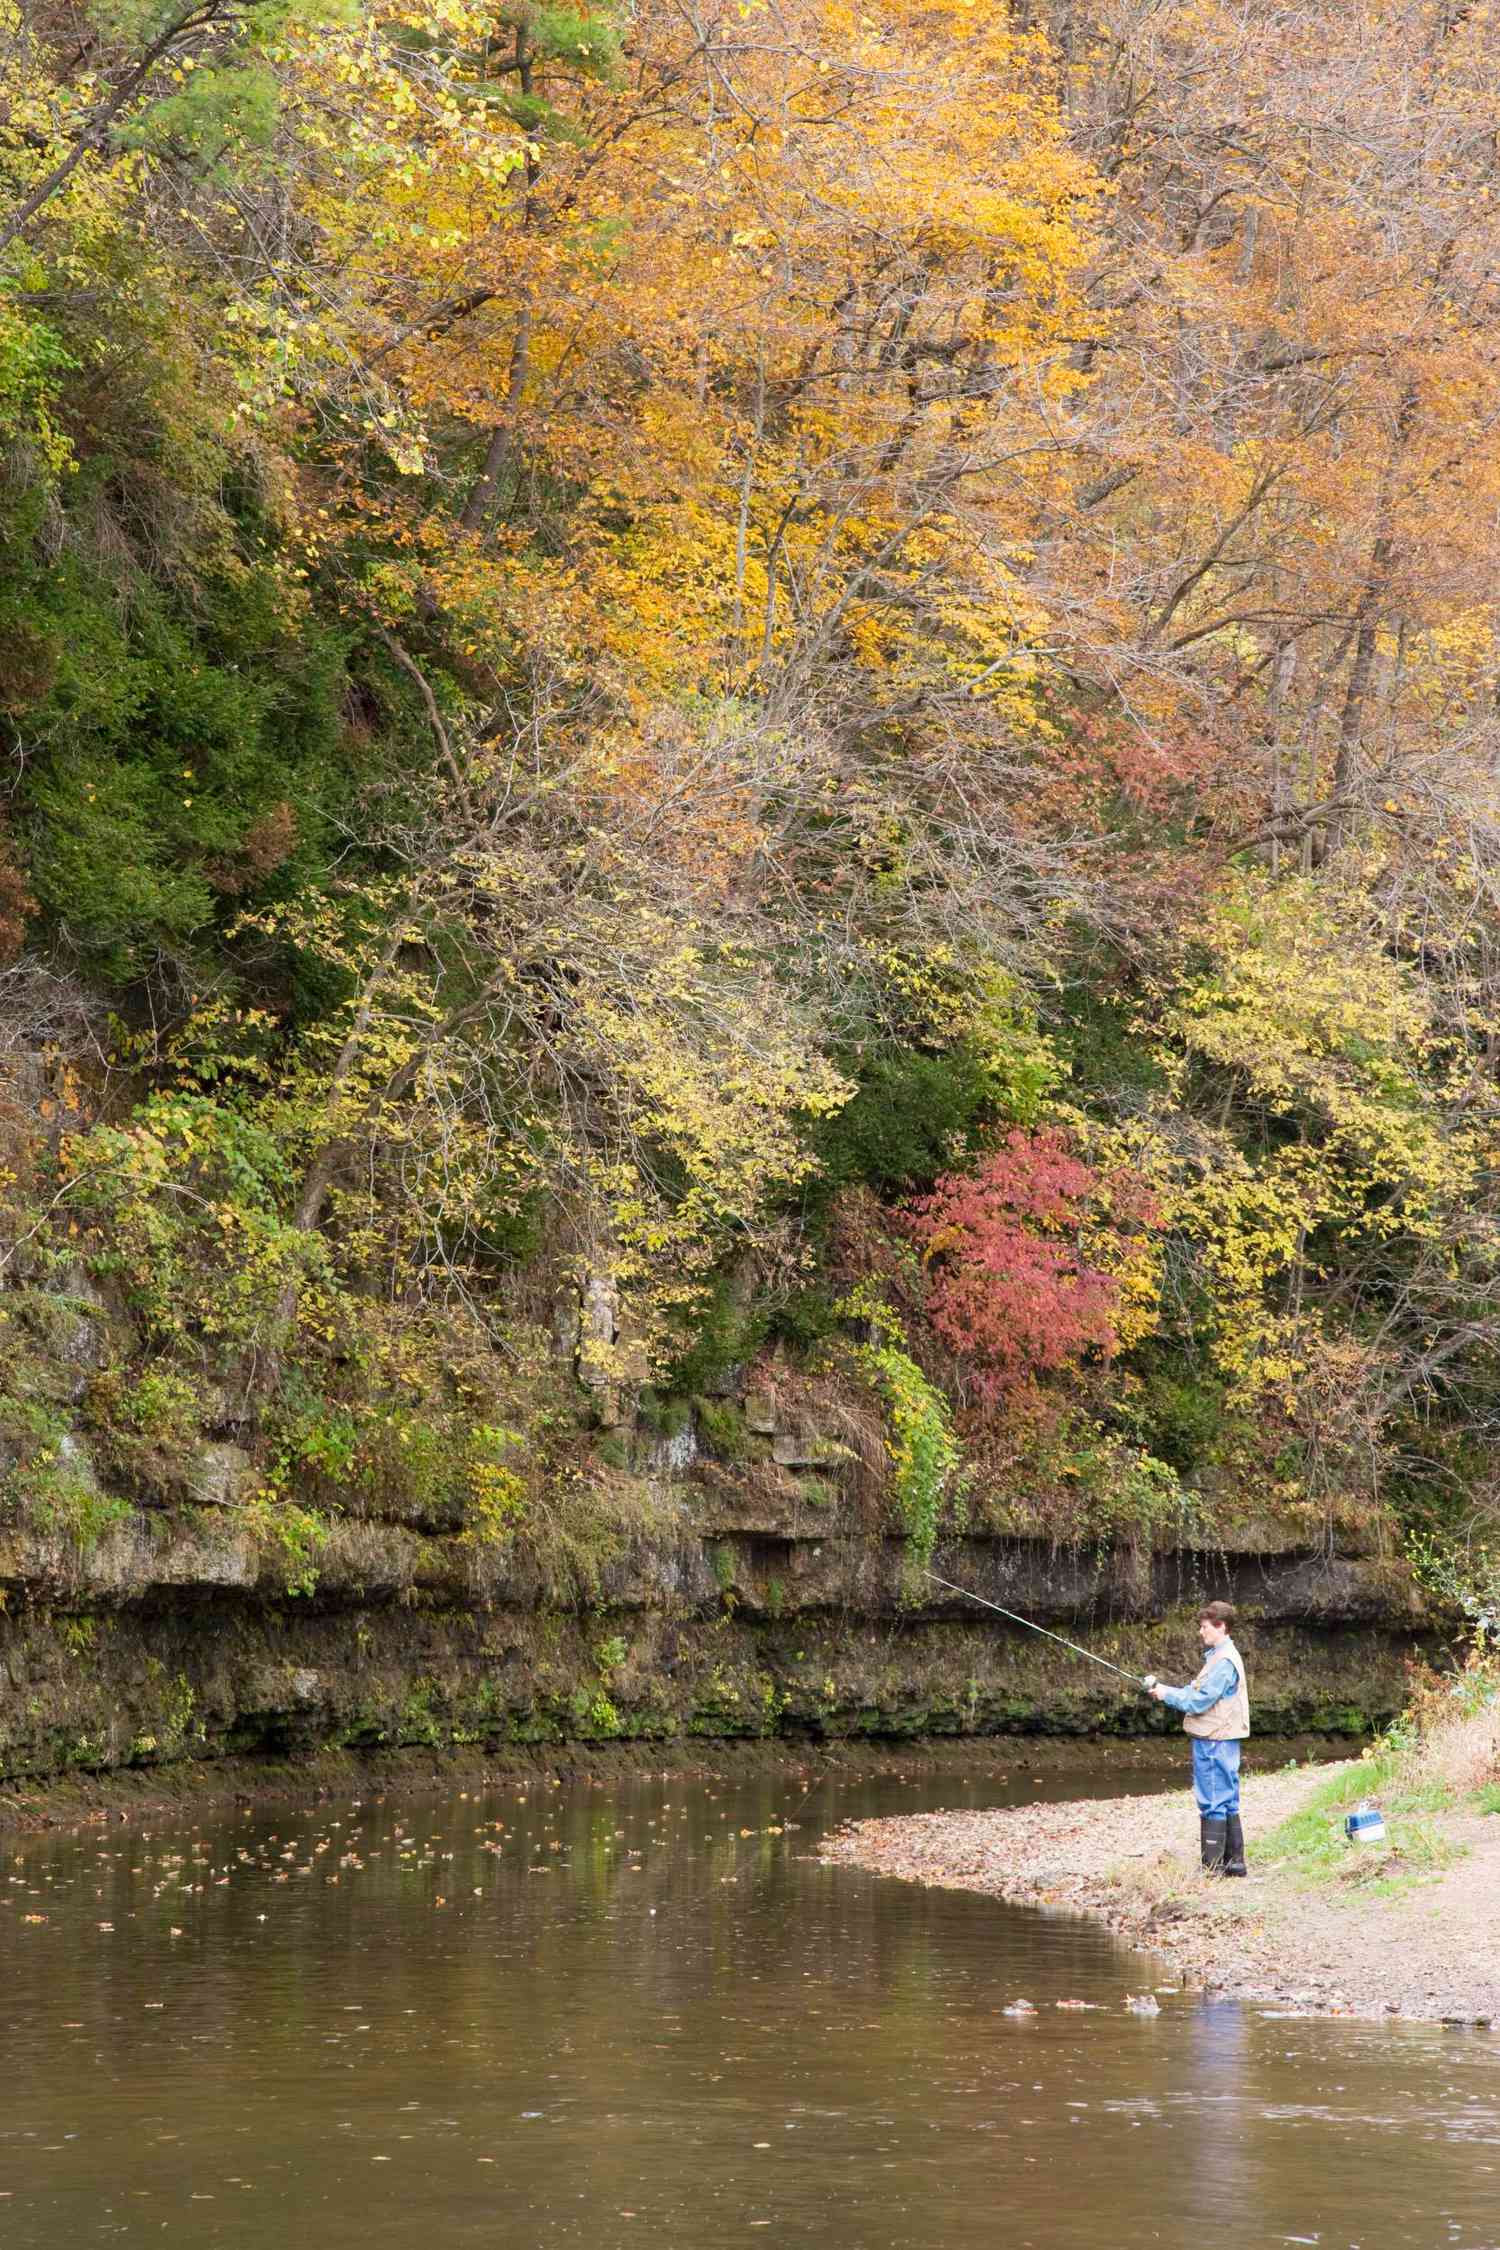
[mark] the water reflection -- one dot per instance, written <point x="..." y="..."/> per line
<point x="597" y="2017"/>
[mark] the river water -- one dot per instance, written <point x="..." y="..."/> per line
<point x="644" y="2014"/>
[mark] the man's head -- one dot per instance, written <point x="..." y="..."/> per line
<point x="1214" y="1621"/>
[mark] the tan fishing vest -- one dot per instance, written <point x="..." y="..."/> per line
<point x="1228" y="1720"/>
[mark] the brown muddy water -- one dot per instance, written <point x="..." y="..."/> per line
<point x="613" y="2015"/>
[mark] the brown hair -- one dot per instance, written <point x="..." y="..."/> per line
<point x="1217" y="1613"/>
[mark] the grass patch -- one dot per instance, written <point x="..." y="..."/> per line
<point x="1312" y="1848"/>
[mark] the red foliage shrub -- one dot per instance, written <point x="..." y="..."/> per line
<point x="1010" y="1289"/>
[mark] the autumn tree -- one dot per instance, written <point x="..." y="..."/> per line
<point x="1012" y="1290"/>
<point x="659" y="617"/>
<point x="1296" y="410"/>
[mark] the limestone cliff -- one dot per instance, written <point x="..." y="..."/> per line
<point x="763" y="1596"/>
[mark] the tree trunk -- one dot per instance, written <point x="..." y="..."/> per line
<point x="485" y="488"/>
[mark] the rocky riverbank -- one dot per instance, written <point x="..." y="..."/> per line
<point x="1405" y="1931"/>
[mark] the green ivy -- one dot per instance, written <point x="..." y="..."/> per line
<point x="926" y="1459"/>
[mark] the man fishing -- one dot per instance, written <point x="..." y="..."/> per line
<point x="1216" y="1713"/>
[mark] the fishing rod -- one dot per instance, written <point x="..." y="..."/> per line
<point x="1139" y="1680"/>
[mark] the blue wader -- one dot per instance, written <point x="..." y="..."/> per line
<point x="1216" y="1778"/>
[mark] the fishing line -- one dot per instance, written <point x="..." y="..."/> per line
<point x="1031" y="1628"/>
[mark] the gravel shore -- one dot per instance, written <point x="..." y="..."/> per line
<point x="1352" y="1947"/>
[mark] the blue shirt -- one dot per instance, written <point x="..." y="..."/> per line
<point x="1219" y="1680"/>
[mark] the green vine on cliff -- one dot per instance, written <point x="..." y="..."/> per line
<point x="926" y="1459"/>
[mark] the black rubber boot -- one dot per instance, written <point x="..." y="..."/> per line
<point x="1211" y="1833"/>
<point x="1234" y="1846"/>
